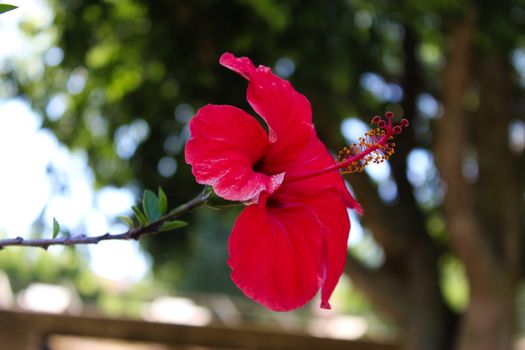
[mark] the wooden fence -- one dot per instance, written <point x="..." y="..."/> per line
<point x="31" y="331"/>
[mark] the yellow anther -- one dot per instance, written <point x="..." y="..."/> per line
<point x="371" y="139"/>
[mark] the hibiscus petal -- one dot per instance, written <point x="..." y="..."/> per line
<point x="275" y="255"/>
<point x="314" y="157"/>
<point x="280" y="256"/>
<point x="287" y="112"/>
<point x="332" y="215"/>
<point x="225" y="144"/>
<point x="295" y="147"/>
<point x="241" y="65"/>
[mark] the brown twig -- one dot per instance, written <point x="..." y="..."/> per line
<point x="133" y="233"/>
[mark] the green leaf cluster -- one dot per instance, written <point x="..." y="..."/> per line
<point x="154" y="207"/>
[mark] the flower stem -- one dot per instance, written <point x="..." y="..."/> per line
<point x="133" y="233"/>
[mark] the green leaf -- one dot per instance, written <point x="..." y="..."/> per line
<point x="172" y="225"/>
<point x="151" y="205"/>
<point x="6" y="7"/>
<point x="208" y="189"/>
<point x="56" y="228"/>
<point x="126" y="220"/>
<point x="143" y="221"/>
<point x="163" y="201"/>
<point x="216" y="202"/>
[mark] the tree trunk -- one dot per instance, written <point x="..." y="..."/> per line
<point x="482" y="213"/>
<point x="489" y="321"/>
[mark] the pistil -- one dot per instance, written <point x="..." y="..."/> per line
<point x="375" y="147"/>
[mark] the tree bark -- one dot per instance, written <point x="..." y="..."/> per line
<point x="482" y="218"/>
<point x="490" y="320"/>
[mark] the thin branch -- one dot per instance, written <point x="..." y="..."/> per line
<point x="133" y="233"/>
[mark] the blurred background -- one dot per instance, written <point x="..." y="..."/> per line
<point x="95" y="100"/>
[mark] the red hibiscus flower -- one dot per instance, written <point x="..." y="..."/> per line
<point x="291" y="239"/>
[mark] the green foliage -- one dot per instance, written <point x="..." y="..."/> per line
<point x="163" y="202"/>
<point x="139" y="215"/>
<point x="6" y="7"/>
<point x="219" y="203"/>
<point x="56" y="228"/>
<point x="454" y="283"/>
<point x="151" y="206"/>
<point x="172" y="225"/>
<point x="127" y="220"/>
<point x="275" y="13"/>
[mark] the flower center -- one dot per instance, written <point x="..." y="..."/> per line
<point x="258" y="166"/>
<point x="376" y="146"/>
